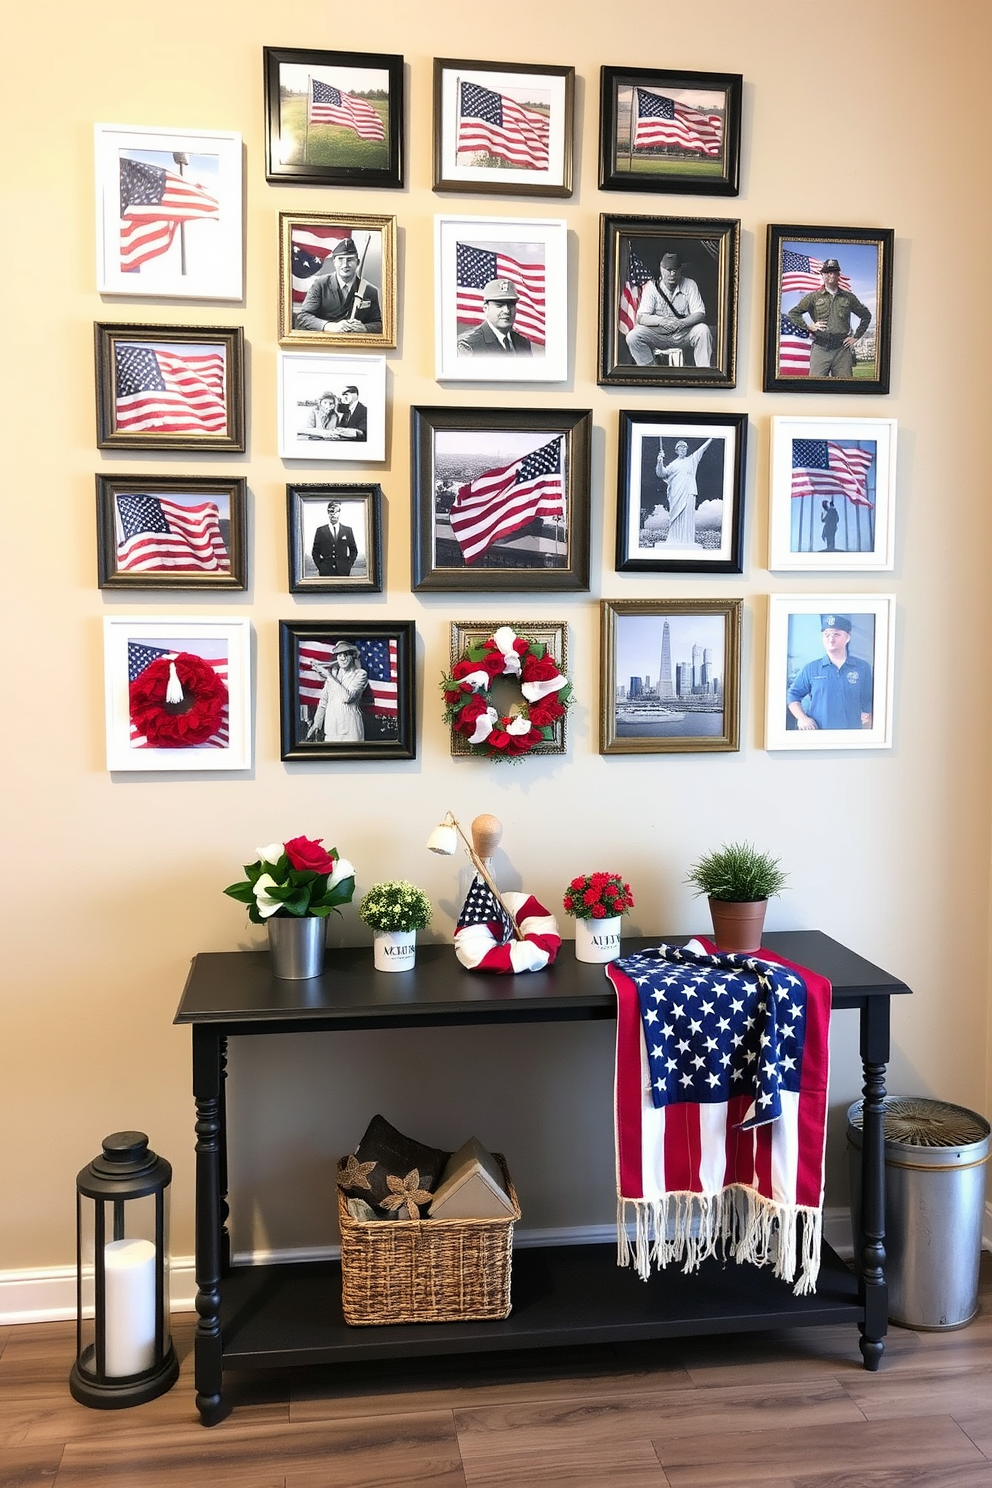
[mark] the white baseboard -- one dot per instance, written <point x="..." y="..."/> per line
<point x="49" y="1295"/>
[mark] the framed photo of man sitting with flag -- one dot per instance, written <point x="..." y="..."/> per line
<point x="501" y="498"/>
<point x="670" y="131"/>
<point x="333" y="118"/>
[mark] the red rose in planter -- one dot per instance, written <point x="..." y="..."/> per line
<point x="307" y="856"/>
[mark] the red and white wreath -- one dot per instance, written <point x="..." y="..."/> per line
<point x="545" y="695"/>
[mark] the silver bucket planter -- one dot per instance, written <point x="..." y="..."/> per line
<point x="296" y="945"/>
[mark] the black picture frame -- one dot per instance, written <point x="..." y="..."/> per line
<point x="154" y="532"/>
<point x="162" y="387"/>
<point x="695" y="708"/>
<point x="792" y="276"/>
<point x="347" y="571"/>
<point x="664" y="131"/>
<point x="383" y="713"/>
<point x="333" y="160"/>
<point x="453" y="448"/>
<point x="630" y="254"/>
<point x="706" y="484"/>
<point x="523" y="116"/>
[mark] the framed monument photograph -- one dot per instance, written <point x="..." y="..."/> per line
<point x="501" y="498"/>
<point x="178" y="693"/>
<point x="335" y="545"/>
<point x="668" y="301"/>
<point x="347" y="689"/>
<point x="670" y="676"/>
<point x="333" y="118"/>
<point x="332" y="407"/>
<point x="337" y="280"/>
<point x="828" y="309"/>
<point x="503" y="128"/>
<point x="500" y="297"/>
<point x="170" y="387"/>
<point x="670" y="131"/>
<point x="680" y="494"/>
<point x="169" y="212"/>
<point x="832" y="495"/>
<point x="829" y="681"/>
<point x="171" y="532"/>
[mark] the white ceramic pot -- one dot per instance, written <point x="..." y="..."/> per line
<point x="394" y="950"/>
<point x="597" y="940"/>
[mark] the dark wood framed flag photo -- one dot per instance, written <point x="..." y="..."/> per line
<point x="170" y="387"/>
<point x="347" y="689"/>
<point x="503" y="127"/>
<point x="501" y="498"/>
<point x="670" y="131"/>
<point x="170" y="532"/>
<point x="333" y="118"/>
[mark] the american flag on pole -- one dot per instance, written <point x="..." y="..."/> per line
<point x="491" y="124"/>
<point x="311" y="246"/>
<point x="140" y="656"/>
<point x="638" y="275"/>
<point x="663" y="121"/>
<point x="378" y="659"/>
<point x="154" y="201"/>
<point x="721" y="1105"/>
<point x="474" y="267"/>
<point x="329" y="105"/>
<point x="823" y="467"/>
<point x="170" y="391"/>
<point x="793" y="349"/>
<point x="503" y="500"/>
<point x="801" y="274"/>
<point x="155" y="535"/>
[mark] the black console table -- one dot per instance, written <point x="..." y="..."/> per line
<point x="269" y="1316"/>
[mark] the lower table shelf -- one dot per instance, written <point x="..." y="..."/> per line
<point x="274" y="1316"/>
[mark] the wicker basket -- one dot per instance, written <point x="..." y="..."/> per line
<point x="426" y="1270"/>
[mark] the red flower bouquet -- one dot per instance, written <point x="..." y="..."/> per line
<point x="597" y="896"/>
<point x="299" y="877"/>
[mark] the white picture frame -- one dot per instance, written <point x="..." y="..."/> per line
<point x="529" y="257"/>
<point x="797" y="653"/>
<point x="833" y="489"/>
<point x="193" y="248"/>
<point x="225" y="645"/>
<point x="307" y="428"/>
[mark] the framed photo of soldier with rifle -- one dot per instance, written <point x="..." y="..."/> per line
<point x="337" y="280"/>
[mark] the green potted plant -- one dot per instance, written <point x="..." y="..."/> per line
<point x="395" y="910"/>
<point x="738" y="881"/>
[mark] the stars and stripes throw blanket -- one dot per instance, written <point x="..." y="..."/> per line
<point x="721" y="1104"/>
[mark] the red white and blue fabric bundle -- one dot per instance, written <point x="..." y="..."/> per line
<point x="484" y="937"/>
<point x="721" y="1106"/>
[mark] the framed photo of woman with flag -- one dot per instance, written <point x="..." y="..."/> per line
<point x="503" y="127"/>
<point x="670" y="131"/>
<point x="333" y="118"/>
<point x="501" y="498"/>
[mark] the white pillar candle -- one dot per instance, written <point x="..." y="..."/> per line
<point x="129" y="1270"/>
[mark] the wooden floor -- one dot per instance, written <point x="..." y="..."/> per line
<point x="786" y="1410"/>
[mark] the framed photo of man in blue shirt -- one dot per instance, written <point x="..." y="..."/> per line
<point x="830" y="672"/>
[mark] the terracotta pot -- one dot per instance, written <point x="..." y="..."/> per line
<point x="738" y="926"/>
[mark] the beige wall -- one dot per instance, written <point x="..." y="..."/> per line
<point x="857" y="115"/>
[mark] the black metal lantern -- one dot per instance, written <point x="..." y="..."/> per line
<point x="124" y="1352"/>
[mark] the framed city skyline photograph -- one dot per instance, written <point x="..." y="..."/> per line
<point x="332" y="407"/>
<point x="335" y="544"/>
<point x="337" y="280"/>
<point x="670" y="676"/>
<point x="333" y="118"/>
<point x="503" y="128"/>
<point x="177" y="693"/>
<point x="161" y="387"/>
<point x="833" y="490"/>
<point x="171" y="532"/>
<point x="668" y="301"/>
<point x="501" y="290"/>
<point x="500" y="498"/>
<point x="680" y="492"/>
<point x="670" y="131"/>
<point x="829" y="681"/>
<point x="828" y="309"/>
<point x="347" y="690"/>
<point x="169" y="212"/>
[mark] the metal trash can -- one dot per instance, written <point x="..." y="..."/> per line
<point x="935" y="1156"/>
